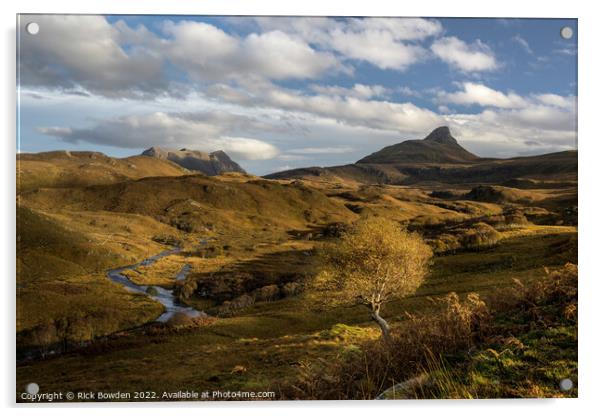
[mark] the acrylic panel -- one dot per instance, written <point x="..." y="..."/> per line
<point x="284" y="208"/>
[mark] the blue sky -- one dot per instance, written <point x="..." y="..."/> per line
<point x="279" y="93"/>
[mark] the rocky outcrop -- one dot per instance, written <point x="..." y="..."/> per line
<point x="214" y="163"/>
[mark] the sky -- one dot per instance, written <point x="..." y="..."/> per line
<point x="279" y="93"/>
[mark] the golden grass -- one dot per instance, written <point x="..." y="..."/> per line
<point x="272" y="339"/>
<point x="62" y="169"/>
<point x="160" y="273"/>
<point x="69" y="237"/>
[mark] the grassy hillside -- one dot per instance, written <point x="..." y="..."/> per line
<point x="65" y="169"/>
<point x="561" y="166"/>
<point x="249" y="245"/>
<point x="198" y="203"/>
<point x="438" y="147"/>
<point x="62" y="260"/>
<point x="270" y="343"/>
<point x="69" y="237"/>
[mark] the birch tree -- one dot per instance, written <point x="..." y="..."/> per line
<point x="374" y="262"/>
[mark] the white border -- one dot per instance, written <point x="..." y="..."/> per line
<point x="590" y="153"/>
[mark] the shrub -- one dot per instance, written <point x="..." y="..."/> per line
<point x="461" y="328"/>
<point x="515" y="218"/>
<point x="443" y="194"/>
<point x="180" y="319"/>
<point x="151" y="290"/>
<point x="168" y="240"/>
<point x="242" y="301"/>
<point x="291" y="289"/>
<point x="365" y="372"/>
<point x="224" y="286"/>
<point x="185" y="289"/>
<point x="335" y="229"/>
<point x="231" y="306"/>
<point x="557" y="288"/>
<point x="79" y="329"/>
<point x="495" y="220"/>
<point x="480" y="235"/>
<point x="445" y="243"/>
<point x="266" y="293"/>
<point x="43" y="335"/>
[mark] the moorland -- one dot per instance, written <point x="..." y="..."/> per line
<point x="495" y="316"/>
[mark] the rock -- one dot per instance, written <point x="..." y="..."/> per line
<point x="404" y="390"/>
<point x="211" y="164"/>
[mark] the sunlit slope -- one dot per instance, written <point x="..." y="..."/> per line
<point x="64" y="169"/>
<point x="61" y="269"/>
<point x="197" y="203"/>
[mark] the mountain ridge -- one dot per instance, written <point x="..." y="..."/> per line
<point x="212" y="164"/>
<point x="440" y="158"/>
<point x="438" y="147"/>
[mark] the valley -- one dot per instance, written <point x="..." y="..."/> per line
<point x="235" y="256"/>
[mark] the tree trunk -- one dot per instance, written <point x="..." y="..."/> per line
<point x="384" y="326"/>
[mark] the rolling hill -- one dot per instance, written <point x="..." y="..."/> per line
<point x="65" y="169"/>
<point x="196" y="202"/>
<point x="439" y="158"/>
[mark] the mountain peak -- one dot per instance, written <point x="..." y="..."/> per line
<point x="438" y="147"/>
<point x="441" y="135"/>
<point x="214" y="163"/>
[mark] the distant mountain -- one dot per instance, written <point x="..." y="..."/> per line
<point x="439" y="158"/>
<point x="211" y="164"/>
<point x="438" y="147"/>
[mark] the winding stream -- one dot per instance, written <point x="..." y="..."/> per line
<point x="164" y="296"/>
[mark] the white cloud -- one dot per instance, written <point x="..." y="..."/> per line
<point x="280" y="56"/>
<point x="571" y="51"/>
<point x="230" y="102"/>
<point x="523" y="43"/>
<point x="405" y="90"/>
<point x="380" y="48"/>
<point x="322" y="150"/>
<point x="337" y="131"/>
<point x="401" y="28"/>
<point x="509" y="133"/>
<point x="516" y="129"/>
<point x="75" y="51"/>
<point x="540" y="117"/>
<point x="482" y="95"/>
<point x="557" y="100"/>
<point x="388" y="43"/>
<point x="316" y="29"/>
<point x="508" y="121"/>
<point x="369" y="91"/>
<point x="248" y="149"/>
<point x="377" y="114"/>
<point x="536" y="111"/>
<point x="463" y="56"/>
<point x="357" y="91"/>
<point x="208" y="53"/>
<point x="87" y="53"/>
<point x="511" y="124"/>
<point x="166" y="129"/>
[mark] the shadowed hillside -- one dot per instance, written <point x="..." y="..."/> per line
<point x="244" y="252"/>
<point x="437" y="147"/>
<point x="439" y="158"/>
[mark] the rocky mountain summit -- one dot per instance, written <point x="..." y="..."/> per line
<point x="214" y="163"/>
<point x="438" y="147"/>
